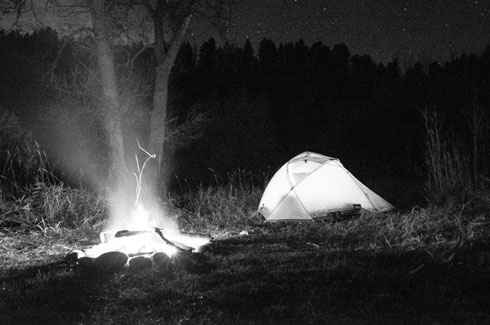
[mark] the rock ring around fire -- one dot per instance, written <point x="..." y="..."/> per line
<point x="115" y="261"/>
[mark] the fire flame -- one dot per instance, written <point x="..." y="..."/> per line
<point x="144" y="238"/>
<point x="140" y="218"/>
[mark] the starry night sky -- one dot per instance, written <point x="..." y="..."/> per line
<point x="381" y="28"/>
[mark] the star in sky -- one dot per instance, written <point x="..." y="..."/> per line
<point x="381" y="28"/>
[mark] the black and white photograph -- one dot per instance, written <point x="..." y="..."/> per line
<point x="244" y="162"/>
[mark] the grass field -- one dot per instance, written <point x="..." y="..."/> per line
<point x="420" y="266"/>
<point x="427" y="265"/>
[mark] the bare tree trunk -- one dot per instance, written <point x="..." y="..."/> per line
<point x="156" y="138"/>
<point x="164" y="61"/>
<point x="118" y="173"/>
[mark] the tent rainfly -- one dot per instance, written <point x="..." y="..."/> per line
<point x="312" y="186"/>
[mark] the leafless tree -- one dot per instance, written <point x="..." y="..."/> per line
<point x="161" y="24"/>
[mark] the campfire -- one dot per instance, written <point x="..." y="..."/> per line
<point x="142" y="244"/>
<point x="138" y="249"/>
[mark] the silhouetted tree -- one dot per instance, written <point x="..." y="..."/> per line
<point x="247" y="58"/>
<point x="363" y="74"/>
<point x="267" y="56"/>
<point x="208" y="58"/>
<point x="340" y="61"/>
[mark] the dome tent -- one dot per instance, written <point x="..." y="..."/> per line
<point x="311" y="186"/>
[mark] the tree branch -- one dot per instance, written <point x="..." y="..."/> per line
<point x="135" y="56"/>
<point x="14" y="6"/>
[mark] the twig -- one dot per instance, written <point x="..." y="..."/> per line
<point x="168" y="242"/>
<point x="139" y="175"/>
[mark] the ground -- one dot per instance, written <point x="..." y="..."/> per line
<point x="280" y="274"/>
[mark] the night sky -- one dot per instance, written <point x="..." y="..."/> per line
<point x="381" y="28"/>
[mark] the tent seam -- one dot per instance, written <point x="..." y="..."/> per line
<point x="292" y="187"/>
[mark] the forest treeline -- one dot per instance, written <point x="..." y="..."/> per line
<point x="262" y="106"/>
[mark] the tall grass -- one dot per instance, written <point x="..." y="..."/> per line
<point x="22" y="162"/>
<point x="31" y="196"/>
<point x="453" y="176"/>
<point x="52" y="206"/>
<point x="229" y="203"/>
<point x="230" y="207"/>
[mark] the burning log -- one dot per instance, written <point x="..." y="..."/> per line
<point x="178" y="246"/>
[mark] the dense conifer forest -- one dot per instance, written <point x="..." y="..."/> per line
<point x="257" y="107"/>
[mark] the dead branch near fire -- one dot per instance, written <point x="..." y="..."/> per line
<point x="139" y="175"/>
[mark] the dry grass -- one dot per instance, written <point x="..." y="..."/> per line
<point x="223" y="207"/>
<point x="424" y="265"/>
<point x="454" y="172"/>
